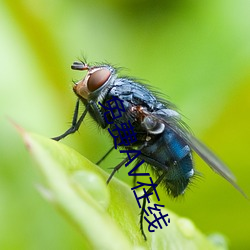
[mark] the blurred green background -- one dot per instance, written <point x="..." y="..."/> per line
<point x="196" y="52"/>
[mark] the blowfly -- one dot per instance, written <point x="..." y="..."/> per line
<point x="162" y="137"/>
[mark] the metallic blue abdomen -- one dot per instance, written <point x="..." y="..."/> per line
<point x="172" y="156"/>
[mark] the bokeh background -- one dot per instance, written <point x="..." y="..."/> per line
<point x="195" y="52"/>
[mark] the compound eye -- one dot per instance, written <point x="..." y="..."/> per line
<point x="97" y="79"/>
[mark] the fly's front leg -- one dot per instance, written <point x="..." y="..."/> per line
<point x="75" y="124"/>
<point x="98" y="114"/>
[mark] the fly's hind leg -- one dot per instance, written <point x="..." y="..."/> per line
<point x="157" y="182"/>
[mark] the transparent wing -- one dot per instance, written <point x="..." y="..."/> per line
<point x="208" y="156"/>
<point x="175" y="124"/>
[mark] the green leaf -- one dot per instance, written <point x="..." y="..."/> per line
<point x="106" y="215"/>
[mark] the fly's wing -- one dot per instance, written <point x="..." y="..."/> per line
<point x="175" y="124"/>
<point x="212" y="160"/>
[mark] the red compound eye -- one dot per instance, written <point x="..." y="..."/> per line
<point x="97" y="79"/>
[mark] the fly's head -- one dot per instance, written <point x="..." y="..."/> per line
<point x="95" y="80"/>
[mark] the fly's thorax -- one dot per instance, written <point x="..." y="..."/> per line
<point x="153" y="122"/>
<point x="93" y="85"/>
<point x="152" y="125"/>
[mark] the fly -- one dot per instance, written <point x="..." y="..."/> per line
<point x="163" y="139"/>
